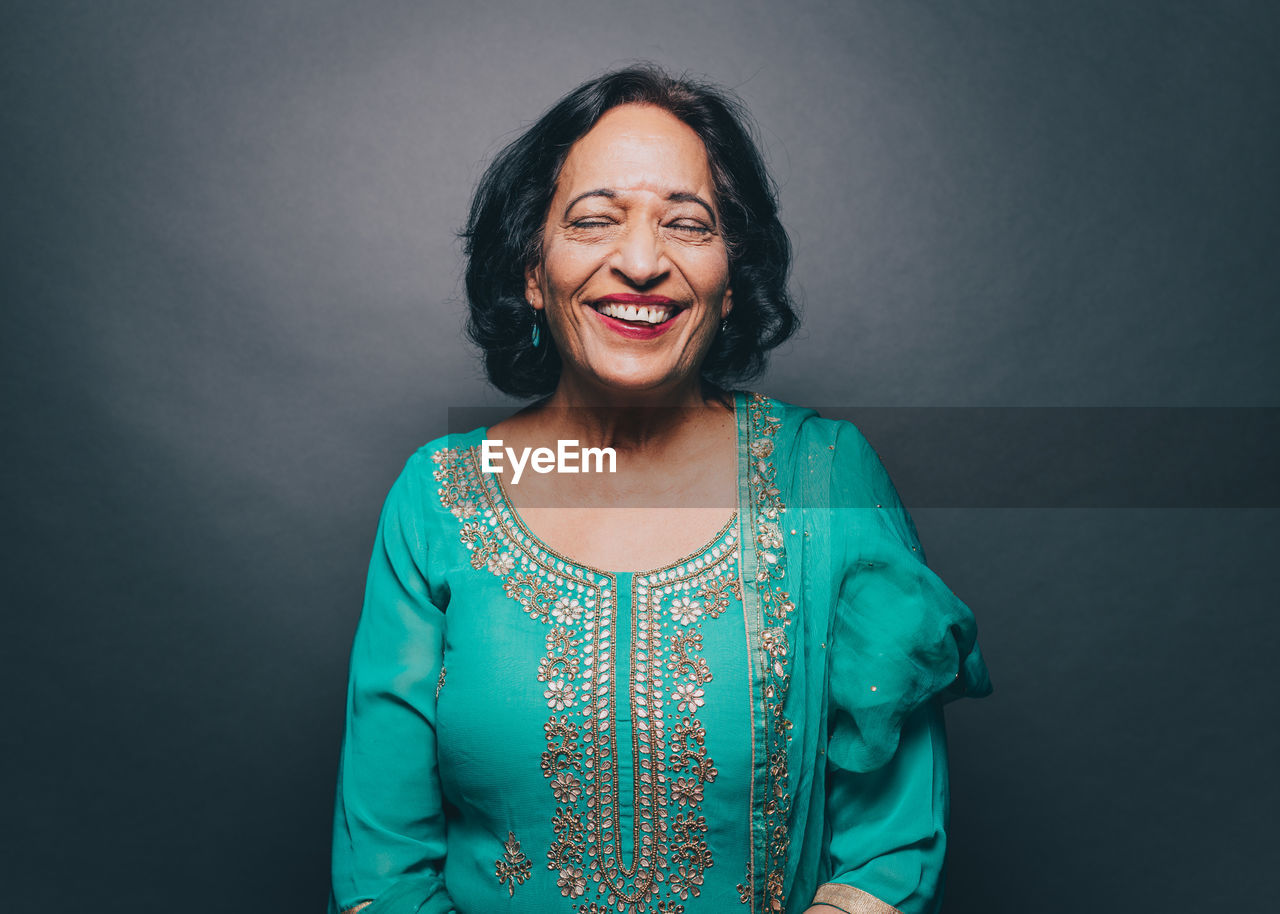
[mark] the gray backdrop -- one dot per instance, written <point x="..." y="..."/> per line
<point x="232" y="309"/>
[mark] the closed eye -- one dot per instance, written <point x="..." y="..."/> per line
<point x="694" y="227"/>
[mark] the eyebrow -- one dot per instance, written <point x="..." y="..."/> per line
<point x="683" y="197"/>
<point x="677" y="196"/>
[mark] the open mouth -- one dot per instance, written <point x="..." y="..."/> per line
<point x="649" y="315"/>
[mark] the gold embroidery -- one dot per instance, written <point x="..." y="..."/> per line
<point x="513" y="867"/>
<point x="744" y="887"/>
<point x="455" y="490"/>
<point x="716" y="597"/>
<point x="777" y="607"/>
<point x="572" y="883"/>
<point x="534" y="595"/>
<point x="851" y="900"/>
<point x="669" y="854"/>
<point x="440" y="681"/>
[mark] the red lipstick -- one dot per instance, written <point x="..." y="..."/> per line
<point x="636" y="328"/>
<point x="627" y="298"/>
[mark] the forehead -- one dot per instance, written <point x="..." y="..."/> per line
<point x="637" y="147"/>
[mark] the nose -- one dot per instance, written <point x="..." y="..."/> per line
<point x="639" y="257"/>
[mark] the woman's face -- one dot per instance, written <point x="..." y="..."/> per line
<point x="634" y="276"/>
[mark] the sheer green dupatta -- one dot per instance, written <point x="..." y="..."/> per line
<point x="903" y="637"/>
<point x="864" y="643"/>
<point x="901" y="644"/>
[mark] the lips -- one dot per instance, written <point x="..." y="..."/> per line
<point x="638" y="317"/>
<point x="644" y="314"/>
<point x="640" y="310"/>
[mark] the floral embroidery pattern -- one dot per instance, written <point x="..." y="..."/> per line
<point x="572" y="883"/>
<point x="513" y="867"/>
<point x="744" y="887"/>
<point x="777" y="607"/>
<point x="580" y="683"/>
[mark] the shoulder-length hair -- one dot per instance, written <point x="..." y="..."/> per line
<point x="503" y="235"/>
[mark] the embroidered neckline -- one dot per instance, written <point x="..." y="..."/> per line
<point x="671" y="769"/>
<point x="499" y="492"/>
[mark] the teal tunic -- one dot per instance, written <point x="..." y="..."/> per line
<point x="756" y="726"/>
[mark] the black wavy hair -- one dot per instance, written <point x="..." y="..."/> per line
<point x="503" y="234"/>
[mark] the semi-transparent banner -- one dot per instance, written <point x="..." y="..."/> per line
<point x="961" y="457"/>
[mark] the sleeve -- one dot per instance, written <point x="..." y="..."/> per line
<point x="389" y="826"/>
<point x="888" y="826"/>
<point x="902" y="644"/>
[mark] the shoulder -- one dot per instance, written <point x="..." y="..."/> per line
<point x="837" y="445"/>
<point x="443" y="450"/>
<point x="805" y="420"/>
<point x="833" y="466"/>
<point x="435" y="457"/>
<point x="435" y="480"/>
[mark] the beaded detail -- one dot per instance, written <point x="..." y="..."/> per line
<point x="578" y="677"/>
<point x="513" y="867"/>
<point x="777" y="606"/>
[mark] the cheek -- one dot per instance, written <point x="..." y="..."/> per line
<point x="711" y="274"/>
<point x="568" y="267"/>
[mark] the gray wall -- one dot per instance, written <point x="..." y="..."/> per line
<point x="232" y="309"/>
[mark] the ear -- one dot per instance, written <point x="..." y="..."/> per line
<point x="533" y="285"/>
<point x="726" y="304"/>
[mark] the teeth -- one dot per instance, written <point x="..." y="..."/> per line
<point x="649" y="314"/>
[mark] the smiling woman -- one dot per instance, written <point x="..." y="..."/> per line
<point x="632" y="251"/>
<point x="709" y="681"/>
<point x="691" y="143"/>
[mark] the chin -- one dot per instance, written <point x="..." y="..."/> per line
<point x="637" y="381"/>
<point x="633" y="384"/>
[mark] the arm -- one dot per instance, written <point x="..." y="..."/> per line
<point x="389" y="827"/>
<point x="888" y="826"/>
<point x="901" y="644"/>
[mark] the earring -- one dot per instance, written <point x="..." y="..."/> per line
<point x="536" y="336"/>
<point x="724" y="325"/>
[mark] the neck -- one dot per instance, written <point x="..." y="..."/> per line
<point x="625" y="419"/>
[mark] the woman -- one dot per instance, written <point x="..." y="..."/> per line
<point x="708" y="682"/>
